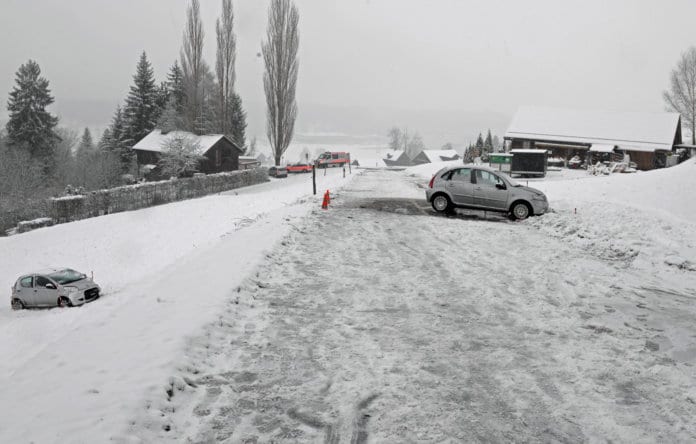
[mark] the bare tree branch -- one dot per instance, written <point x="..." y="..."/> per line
<point x="681" y="97"/>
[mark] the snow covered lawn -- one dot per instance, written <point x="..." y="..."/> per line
<point x="79" y="375"/>
<point x="379" y="321"/>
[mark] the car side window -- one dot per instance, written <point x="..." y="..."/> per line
<point x="26" y="282"/>
<point x="41" y="281"/>
<point x="461" y="175"/>
<point x="487" y="179"/>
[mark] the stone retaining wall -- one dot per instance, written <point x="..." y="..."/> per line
<point x="133" y="197"/>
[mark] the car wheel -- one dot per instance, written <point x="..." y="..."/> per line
<point x="17" y="304"/>
<point x="520" y="211"/>
<point x="64" y="302"/>
<point x="441" y="204"/>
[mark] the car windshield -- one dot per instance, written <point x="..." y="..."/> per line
<point x="510" y="180"/>
<point x="66" y="276"/>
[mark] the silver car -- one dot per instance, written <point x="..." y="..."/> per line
<point x="62" y="287"/>
<point x="481" y="188"/>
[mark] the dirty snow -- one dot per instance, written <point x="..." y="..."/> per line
<point x="378" y="321"/>
<point x="255" y="316"/>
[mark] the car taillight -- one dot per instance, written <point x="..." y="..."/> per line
<point x="430" y="185"/>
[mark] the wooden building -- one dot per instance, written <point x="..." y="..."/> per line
<point x="647" y="138"/>
<point x="218" y="151"/>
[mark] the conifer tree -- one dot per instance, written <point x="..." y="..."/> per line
<point x="175" y="86"/>
<point x="488" y="143"/>
<point x="238" y="121"/>
<point x="31" y="126"/>
<point x="118" y="142"/>
<point x="140" y="112"/>
<point x="86" y="146"/>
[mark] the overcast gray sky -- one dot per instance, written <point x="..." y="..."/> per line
<point x="459" y="55"/>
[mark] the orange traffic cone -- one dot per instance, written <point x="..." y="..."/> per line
<point x="328" y="197"/>
<point x="325" y="202"/>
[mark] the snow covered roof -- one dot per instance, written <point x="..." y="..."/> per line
<point x="600" y="148"/>
<point x="440" y="155"/>
<point x="634" y="131"/>
<point x="156" y="141"/>
<point x="529" y="151"/>
<point x="394" y="154"/>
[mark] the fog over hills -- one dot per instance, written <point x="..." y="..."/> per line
<point x="323" y="123"/>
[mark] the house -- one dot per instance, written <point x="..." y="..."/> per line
<point x="397" y="158"/>
<point x="219" y="152"/>
<point x="431" y="156"/>
<point x="647" y="138"/>
<point x="248" y="162"/>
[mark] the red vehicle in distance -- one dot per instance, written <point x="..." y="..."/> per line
<point x="333" y="159"/>
<point x="299" y="168"/>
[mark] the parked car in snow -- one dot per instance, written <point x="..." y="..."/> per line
<point x="299" y="168"/>
<point x="482" y="188"/>
<point x="62" y="287"/>
<point x="278" y="171"/>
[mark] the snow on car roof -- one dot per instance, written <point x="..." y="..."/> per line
<point x="636" y="131"/>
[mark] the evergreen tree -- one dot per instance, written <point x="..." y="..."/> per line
<point x="31" y="126"/>
<point x="238" y="121"/>
<point x="86" y="145"/>
<point x="141" y="110"/>
<point x="479" y="146"/>
<point x="488" y="143"/>
<point x="117" y="141"/>
<point x="175" y="86"/>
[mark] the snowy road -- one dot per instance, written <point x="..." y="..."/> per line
<point x="377" y="321"/>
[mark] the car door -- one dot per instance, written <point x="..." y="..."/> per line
<point x="460" y="187"/>
<point x="490" y="191"/>
<point x="45" y="295"/>
<point x="24" y="289"/>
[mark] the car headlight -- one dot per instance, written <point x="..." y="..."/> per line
<point x="71" y="290"/>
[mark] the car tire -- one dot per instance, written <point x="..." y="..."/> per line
<point x="64" y="302"/>
<point x="17" y="304"/>
<point x="520" y="211"/>
<point x="441" y="204"/>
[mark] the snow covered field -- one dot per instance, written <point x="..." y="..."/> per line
<point x="256" y="316"/>
<point x="79" y="375"/>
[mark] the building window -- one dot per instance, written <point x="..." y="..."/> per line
<point x="218" y="158"/>
<point x="525" y="144"/>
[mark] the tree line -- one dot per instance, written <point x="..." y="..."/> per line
<point x="38" y="158"/>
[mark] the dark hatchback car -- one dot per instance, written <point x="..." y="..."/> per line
<point x="278" y="171"/>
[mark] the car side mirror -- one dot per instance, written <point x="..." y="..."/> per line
<point x="50" y="286"/>
<point x="501" y="186"/>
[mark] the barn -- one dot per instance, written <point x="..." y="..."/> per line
<point x="646" y="138"/>
<point x="219" y="152"/>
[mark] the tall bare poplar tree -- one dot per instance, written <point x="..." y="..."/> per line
<point x="224" y="64"/>
<point x="681" y="96"/>
<point x="280" y="77"/>
<point x="192" y="64"/>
